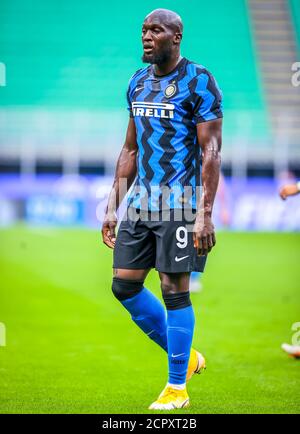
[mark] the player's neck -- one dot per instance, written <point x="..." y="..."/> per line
<point x="168" y="66"/>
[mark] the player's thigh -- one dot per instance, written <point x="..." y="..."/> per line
<point x="174" y="244"/>
<point x="127" y="274"/>
<point x="175" y="250"/>
<point x="134" y="248"/>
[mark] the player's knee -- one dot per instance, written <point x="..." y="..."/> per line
<point x="167" y="288"/>
<point x="172" y="287"/>
<point x="177" y="301"/>
<point x="123" y="288"/>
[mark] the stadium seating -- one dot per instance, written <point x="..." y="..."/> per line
<point x="67" y="71"/>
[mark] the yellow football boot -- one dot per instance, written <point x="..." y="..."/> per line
<point x="170" y="399"/>
<point x="196" y="364"/>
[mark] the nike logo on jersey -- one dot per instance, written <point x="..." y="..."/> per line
<point x="180" y="259"/>
<point x="153" y="109"/>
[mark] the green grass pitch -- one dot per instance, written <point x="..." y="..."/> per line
<point x="71" y="348"/>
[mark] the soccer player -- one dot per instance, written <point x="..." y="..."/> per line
<point x="175" y="116"/>
<point x="289" y="190"/>
<point x="286" y="191"/>
<point x="292" y="350"/>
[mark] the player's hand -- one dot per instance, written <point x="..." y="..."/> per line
<point x="288" y="190"/>
<point x="109" y="229"/>
<point x="204" y="235"/>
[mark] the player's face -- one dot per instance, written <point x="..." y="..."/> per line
<point x="157" y="42"/>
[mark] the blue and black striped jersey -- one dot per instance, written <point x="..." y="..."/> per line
<point x="166" y="110"/>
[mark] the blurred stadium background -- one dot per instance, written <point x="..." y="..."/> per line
<point x="64" y="70"/>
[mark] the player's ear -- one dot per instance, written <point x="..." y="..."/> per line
<point x="177" y="38"/>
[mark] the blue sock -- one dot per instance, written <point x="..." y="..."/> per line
<point x="150" y="315"/>
<point x="180" y="331"/>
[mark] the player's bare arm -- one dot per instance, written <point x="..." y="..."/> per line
<point x="289" y="190"/>
<point x="209" y="136"/>
<point x="126" y="169"/>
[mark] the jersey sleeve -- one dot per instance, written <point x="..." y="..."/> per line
<point x="130" y="91"/>
<point x="128" y="97"/>
<point x="208" y="98"/>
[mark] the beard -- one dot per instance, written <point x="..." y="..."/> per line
<point x="160" y="56"/>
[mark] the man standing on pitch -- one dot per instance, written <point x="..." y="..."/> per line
<point x="173" y="143"/>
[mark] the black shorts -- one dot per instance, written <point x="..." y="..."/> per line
<point x="166" y="246"/>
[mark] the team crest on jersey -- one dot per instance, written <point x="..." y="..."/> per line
<point x="170" y="90"/>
